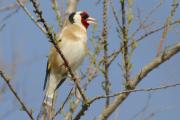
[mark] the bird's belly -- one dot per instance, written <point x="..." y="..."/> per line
<point x="74" y="52"/>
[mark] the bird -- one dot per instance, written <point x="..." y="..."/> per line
<point x="72" y="41"/>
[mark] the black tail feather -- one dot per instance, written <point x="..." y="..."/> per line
<point x="60" y="83"/>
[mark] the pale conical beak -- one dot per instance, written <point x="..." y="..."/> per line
<point x="91" y="21"/>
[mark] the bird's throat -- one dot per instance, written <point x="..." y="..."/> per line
<point x="85" y="24"/>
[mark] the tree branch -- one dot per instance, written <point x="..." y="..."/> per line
<point x="116" y="53"/>
<point x="145" y="70"/>
<point x="65" y="101"/>
<point x="12" y="6"/>
<point x="155" y="63"/>
<point x="57" y="12"/>
<point x="166" y="28"/>
<point x="31" y="16"/>
<point x="105" y="43"/>
<point x="85" y="107"/>
<point x="71" y="6"/>
<point x="125" y="52"/>
<point x="24" y="107"/>
<point x="135" y="90"/>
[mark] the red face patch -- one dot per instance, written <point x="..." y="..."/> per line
<point x="84" y="16"/>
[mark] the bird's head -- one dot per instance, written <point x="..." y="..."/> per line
<point x="81" y="17"/>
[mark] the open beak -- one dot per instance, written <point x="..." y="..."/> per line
<point x="91" y="21"/>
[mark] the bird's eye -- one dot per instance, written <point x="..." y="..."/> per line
<point x="84" y="15"/>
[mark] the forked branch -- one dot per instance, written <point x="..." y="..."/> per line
<point x="133" y="83"/>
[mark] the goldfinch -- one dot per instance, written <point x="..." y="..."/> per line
<point x="73" y="43"/>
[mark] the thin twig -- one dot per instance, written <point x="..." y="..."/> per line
<point x="2" y="24"/>
<point x="116" y="53"/>
<point x="144" y="109"/>
<point x="72" y="109"/>
<point x="57" y="12"/>
<point x="31" y="16"/>
<point x="156" y="30"/>
<point x="142" y="22"/>
<point x="166" y="28"/>
<point x="2" y="27"/>
<point x="115" y="15"/>
<point x="9" y="15"/>
<point x="24" y="107"/>
<point x="12" y="6"/>
<point x="135" y="90"/>
<point x="147" y="17"/>
<point x="153" y="10"/>
<point x="65" y="101"/>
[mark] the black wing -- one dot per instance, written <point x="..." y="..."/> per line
<point x="47" y="75"/>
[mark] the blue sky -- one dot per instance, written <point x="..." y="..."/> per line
<point x="23" y="56"/>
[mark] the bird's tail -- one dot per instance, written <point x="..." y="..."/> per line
<point x="53" y="83"/>
<point x="50" y="90"/>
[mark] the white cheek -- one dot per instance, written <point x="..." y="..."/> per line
<point x="77" y="19"/>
